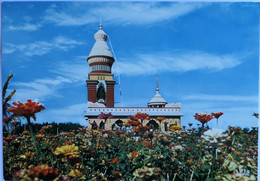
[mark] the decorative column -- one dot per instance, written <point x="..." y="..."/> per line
<point x="92" y="90"/>
<point x="110" y="93"/>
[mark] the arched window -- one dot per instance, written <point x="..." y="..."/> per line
<point x="101" y="94"/>
<point x="152" y="124"/>
<point x="102" y="125"/>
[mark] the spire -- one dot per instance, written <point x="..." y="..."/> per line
<point x="157" y="84"/>
<point x="157" y="100"/>
<point x="100" y="23"/>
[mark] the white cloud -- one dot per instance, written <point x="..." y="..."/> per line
<point x="206" y="97"/>
<point x="118" y="12"/>
<point x="73" y="113"/>
<point x="25" y="27"/>
<point x="76" y="71"/>
<point x="63" y="75"/>
<point x="38" y="89"/>
<point x="41" y="47"/>
<point x="173" y="61"/>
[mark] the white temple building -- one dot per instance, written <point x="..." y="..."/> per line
<point x="100" y="85"/>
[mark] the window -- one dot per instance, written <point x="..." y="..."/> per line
<point x="101" y="94"/>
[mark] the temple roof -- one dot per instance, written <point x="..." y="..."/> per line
<point x="157" y="99"/>
<point x="100" y="47"/>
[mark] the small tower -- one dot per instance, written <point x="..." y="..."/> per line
<point x="157" y="100"/>
<point x="100" y="81"/>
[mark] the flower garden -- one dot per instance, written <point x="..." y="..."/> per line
<point x="190" y="152"/>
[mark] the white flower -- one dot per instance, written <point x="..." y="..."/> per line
<point x="213" y="135"/>
<point x="177" y="148"/>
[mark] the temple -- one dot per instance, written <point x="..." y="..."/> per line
<point x="100" y="85"/>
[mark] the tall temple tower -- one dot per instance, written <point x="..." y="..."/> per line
<point x="100" y="81"/>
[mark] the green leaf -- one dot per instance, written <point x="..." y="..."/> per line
<point x="204" y="167"/>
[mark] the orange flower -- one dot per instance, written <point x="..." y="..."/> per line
<point x="238" y="153"/>
<point x="203" y="118"/>
<point x="133" y="123"/>
<point x="147" y="144"/>
<point x="27" y="109"/>
<point x="114" y="161"/>
<point x="136" y="129"/>
<point x="67" y="143"/>
<point x="217" y="115"/>
<point x="190" y="161"/>
<point x="141" y="116"/>
<point x="44" y="172"/>
<point x="134" y="154"/>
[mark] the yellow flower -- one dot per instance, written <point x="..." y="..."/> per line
<point x="77" y="174"/>
<point x="190" y="161"/>
<point x="175" y="128"/>
<point x="230" y="156"/>
<point x="67" y="150"/>
<point x="22" y="157"/>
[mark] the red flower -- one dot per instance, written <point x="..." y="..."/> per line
<point x="133" y="123"/>
<point x="27" y="109"/>
<point x="42" y="131"/>
<point x="114" y="161"/>
<point x="7" y="119"/>
<point x="134" y="154"/>
<point x="10" y="138"/>
<point x="217" y="115"/>
<point x="15" y="123"/>
<point x="203" y="118"/>
<point x="141" y="116"/>
<point x="104" y="115"/>
<point x="44" y="172"/>
<point x="117" y="172"/>
<point x="160" y="118"/>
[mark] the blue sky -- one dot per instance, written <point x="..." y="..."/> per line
<point x="205" y="54"/>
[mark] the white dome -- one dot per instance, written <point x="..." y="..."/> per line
<point x="100" y="47"/>
<point x="157" y="100"/>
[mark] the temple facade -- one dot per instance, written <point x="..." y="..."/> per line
<point x="100" y="85"/>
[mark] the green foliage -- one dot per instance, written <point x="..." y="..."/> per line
<point x="177" y="156"/>
<point x="5" y="100"/>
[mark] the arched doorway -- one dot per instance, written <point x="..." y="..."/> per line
<point x="94" y="125"/>
<point x="102" y="125"/>
<point x="152" y="124"/>
<point x="119" y="122"/>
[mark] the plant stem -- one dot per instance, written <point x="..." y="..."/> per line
<point x="67" y="169"/>
<point x="33" y="138"/>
